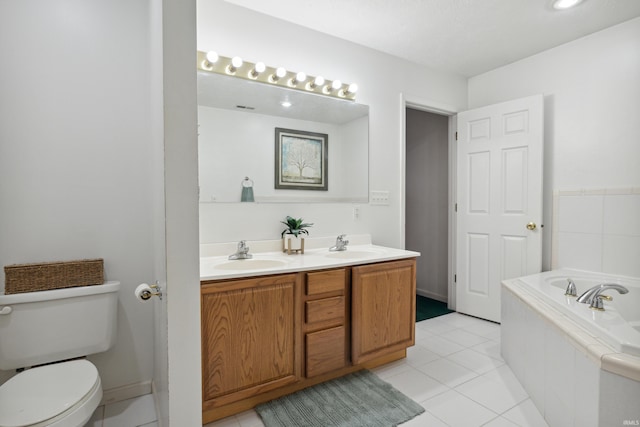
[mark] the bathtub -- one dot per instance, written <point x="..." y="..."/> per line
<point x="617" y="326"/>
<point x="580" y="366"/>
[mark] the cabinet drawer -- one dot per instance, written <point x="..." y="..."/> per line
<point x="325" y="351"/>
<point x="321" y="282"/>
<point x="325" y="309"/>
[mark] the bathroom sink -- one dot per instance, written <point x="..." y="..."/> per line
<point x="250" y="264"/>
<point x="352" y="254"/>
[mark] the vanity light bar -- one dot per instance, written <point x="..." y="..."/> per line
<point x="213" y="63"/>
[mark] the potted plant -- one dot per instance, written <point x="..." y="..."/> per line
<point x="291" y="236"/>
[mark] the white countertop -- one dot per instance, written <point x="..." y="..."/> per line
<point x="277" y="262"/>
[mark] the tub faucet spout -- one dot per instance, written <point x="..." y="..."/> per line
<point x="592" y="294"/>
<point x="242" y="252"/>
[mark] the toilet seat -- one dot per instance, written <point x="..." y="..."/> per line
<point x="61" y="394"/>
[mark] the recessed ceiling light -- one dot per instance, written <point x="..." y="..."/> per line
<point x="565" y="4"/>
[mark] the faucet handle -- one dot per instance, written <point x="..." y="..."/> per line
<point x="596" y="303"/>
<point x="571" y="288"/>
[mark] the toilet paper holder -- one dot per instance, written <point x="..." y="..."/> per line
<point x="144" y="291"/>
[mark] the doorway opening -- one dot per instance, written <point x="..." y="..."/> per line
<point x="429" y="199"/>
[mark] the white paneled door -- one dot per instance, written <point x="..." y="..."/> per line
<point x="499" y="198"/>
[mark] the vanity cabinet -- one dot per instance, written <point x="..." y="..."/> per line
<point x="250" y="331"/>
<point x="326" y="321"/>
<point x="267" y="336"/>
<point x="384" y="309"/>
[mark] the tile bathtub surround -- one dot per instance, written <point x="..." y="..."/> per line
<point x="456" y="373"/>
<point x="597" y="230"/>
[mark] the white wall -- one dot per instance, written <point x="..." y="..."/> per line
<point x="591" y="88"/>
<point x="76" y="153"/>
<point x="231" y="30"/>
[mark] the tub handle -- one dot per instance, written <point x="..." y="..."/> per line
<point x="6" y="310"/>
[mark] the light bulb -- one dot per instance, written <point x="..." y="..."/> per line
<point x="353" y="88"/>
<point x="280" y="73"/>
<point x="257" y="69"/>
<point x="285" y="104"/>
<point x="319" y="81"/>
<point x="300" y="77"/>
<point x="236" y="62"/>
<point x="336" y="84"/>
<point x="212" y="57"/>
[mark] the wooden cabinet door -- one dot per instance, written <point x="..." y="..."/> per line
<point x="250" y="336"/>
<point x="383" y="309"/>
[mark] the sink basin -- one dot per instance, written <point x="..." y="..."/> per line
<point x="352" y="254"/>
<point x="250" y="264"/>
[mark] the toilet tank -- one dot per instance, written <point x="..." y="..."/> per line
<point x="48" y="326"/>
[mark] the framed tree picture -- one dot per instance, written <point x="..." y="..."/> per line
<point x="301" y="160"/>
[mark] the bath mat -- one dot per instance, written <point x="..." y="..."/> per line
<point x="426" y="308"/>
<point x="360" y="399"/>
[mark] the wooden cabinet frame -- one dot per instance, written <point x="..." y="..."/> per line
<point x="294" y="323"/>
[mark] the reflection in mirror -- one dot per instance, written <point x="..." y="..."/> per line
<point x="236" y="125"/>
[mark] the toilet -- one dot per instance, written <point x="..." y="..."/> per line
<point x="49" y="333"/>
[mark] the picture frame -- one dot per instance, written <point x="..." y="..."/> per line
<point x="301" y="160"/>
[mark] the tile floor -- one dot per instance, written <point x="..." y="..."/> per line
<point x="137" y="412"/>
<point x="454" y="371"/>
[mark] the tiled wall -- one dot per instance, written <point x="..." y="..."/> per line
<point x="597" y="230"/>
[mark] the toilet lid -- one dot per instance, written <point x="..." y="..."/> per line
<point x="41" y="393"/>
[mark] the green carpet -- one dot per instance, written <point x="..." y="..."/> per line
<point x="360" y="399"/>
<point x="426" y="308"/>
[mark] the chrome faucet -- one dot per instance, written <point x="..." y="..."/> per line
<point x="571" y="289"/>
<point x="594" y="298"/>
<point x="341" y="244"/>
<point x="242" y="252"/>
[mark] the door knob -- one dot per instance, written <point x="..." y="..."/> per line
<point x="531" y="226"/>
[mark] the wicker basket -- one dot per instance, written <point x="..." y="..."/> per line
<point x="46" y="276"/>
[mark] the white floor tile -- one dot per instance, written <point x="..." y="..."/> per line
<point x="491" y="392"/>
<point x="130" y="413"/>
<point x="484" y="329"/>
<point x="500" y="422"/>
<point x="441" y="346"/>
<point x="249" y="419"/>
<point x="423" y="420"/>
<point x="457" y="410"/>
<point x="464" y="338"/>
<point x="475" y="361"/>
<point x="391" y="369"/>
<point x="96" y="418"/>
<point x="435" y="326"/>
<point x="489" y="348"/>
<point x="526" y="415"/>
<point x="447" y="372"/>
<point x="416" y="385"/>
<point x="419" y="355"/>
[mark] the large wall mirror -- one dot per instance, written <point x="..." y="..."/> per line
<point x="237" y="122"/>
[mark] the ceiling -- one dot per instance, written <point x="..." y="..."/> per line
<point x="466" y="37"/>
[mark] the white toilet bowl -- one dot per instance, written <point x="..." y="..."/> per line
<point x="58" y="395"/>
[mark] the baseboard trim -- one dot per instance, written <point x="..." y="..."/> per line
<point x="441" y="298"/>
<point x="125" y="392"/>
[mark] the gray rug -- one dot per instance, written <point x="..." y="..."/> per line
<point x="360" y="399"/>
